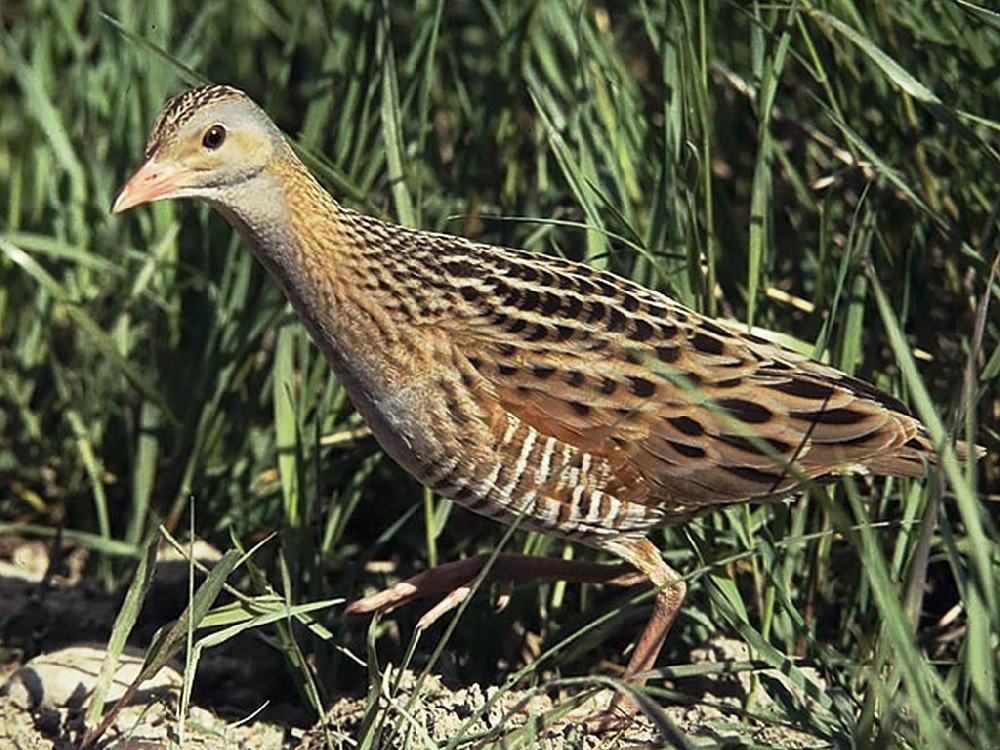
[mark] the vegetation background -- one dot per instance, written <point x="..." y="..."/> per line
<point x="826" y="170"/>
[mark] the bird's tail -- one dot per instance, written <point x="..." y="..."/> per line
<point x="919" y="453"/>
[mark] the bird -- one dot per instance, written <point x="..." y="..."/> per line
<point x="530" y="389"/>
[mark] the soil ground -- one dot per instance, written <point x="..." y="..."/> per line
<point x="43" y="699"/>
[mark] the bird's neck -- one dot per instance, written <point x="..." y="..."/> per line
<point x="333" y="271"/>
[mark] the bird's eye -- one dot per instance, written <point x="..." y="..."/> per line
<point x="214" y="137"/>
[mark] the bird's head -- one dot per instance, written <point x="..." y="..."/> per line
<point x="208" y="143"/>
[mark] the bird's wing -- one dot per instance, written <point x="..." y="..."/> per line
<point x="699" y="411"/>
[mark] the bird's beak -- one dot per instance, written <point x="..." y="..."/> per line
<point x="152" y="181"/>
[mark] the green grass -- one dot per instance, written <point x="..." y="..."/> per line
<point x="825" y="170"/>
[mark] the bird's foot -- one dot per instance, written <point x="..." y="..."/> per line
<point x="454" y="580"/>
<point x="600" y="716"/>
<point x="604" y="721"/>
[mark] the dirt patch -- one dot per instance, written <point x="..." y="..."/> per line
<point x="42" y="704"/>
<point x="408" y="713"/>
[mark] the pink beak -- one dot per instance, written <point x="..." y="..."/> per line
<point x="152" y="181"/>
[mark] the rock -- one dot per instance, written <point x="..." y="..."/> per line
<point x="66" y="679"/>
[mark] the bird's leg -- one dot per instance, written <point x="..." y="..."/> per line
<point x="455" y="580"/>
<point x="670" y="592"/>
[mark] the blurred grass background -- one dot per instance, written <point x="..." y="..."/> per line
<point x="824" y="170"/>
